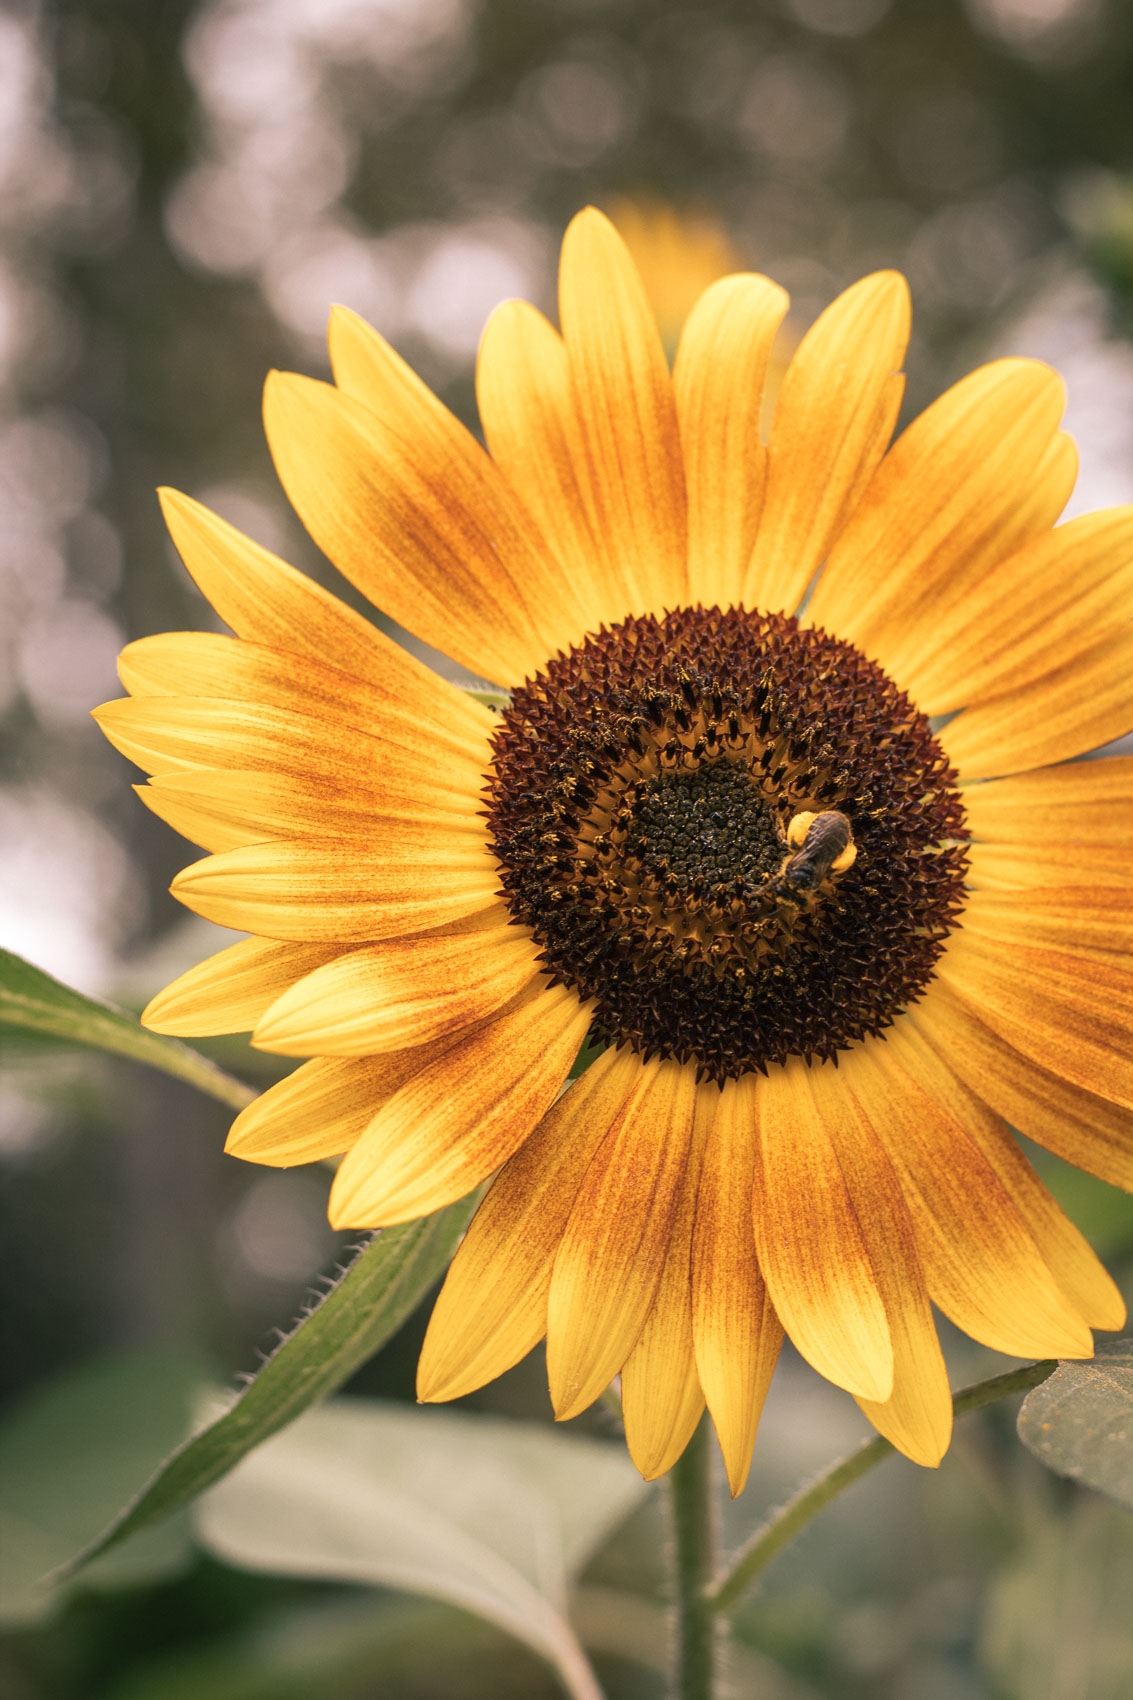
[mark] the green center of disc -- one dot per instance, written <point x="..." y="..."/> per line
<point x="708" y="827"/>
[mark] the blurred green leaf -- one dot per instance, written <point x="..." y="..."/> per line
<point x="69" y="1454"/>
<point x="392" y="1645"/>
<point x="34" y="1003"/>
<point x="491" y="1515"/>
<point x="1080" y="1421"/>
<point x="489" y="697"/>
<point x="383" y="1286"/>
<point x="1057" y="1621"/>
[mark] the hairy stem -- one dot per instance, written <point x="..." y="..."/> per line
<point x="783" y="1525"/>
<point x="694" y="1533"/>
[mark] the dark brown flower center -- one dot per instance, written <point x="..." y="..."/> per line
<point x="735" y="835"/>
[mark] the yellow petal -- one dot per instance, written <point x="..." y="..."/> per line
<point x="613" y="1250"/>
<point x="228" y="993"/>
<point x="206" y="664"/>
<point x="1079" y="803"/>
<point x="492" y="1308"/>
<point x="809" y="1238"/>
<point x="174" y="734"/>
<point x="737" y="1332"/>
<point x="268" y="602"/>
<point x="1070" y="1014"/>
<point x="1066" y="1253"/>
<point x="633" y="467"/>
<point x="718" y="380"/>
<point x="533" y="429"/>
<point x="1081" y="705"/>
<point x="662" y="1400"/>
<point x="835" y="413"/>
<point x="1090" y="920"/>
<point x="221" y="810"/>
<point x="405" y="992"/>
<point x="917" y="1415"/>
<point x="463" y="1115"/>
<point x="200" y="825"/>
<point x="433" y="537"/>
<point x="1040" y="609"/>
<point x="983" y="1267"/>
<point x="321" y="1109"/>
<point x="1083" y="1127"/>
<point x="942" y="507"/>
<point x="559" y="604"/>
<point x="1006" y="867"/>
<point x="348" y="892"/>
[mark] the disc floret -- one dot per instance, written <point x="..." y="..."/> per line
<point x="732" y="833"/>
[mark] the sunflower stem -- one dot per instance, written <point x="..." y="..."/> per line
<point x="783" y="1525"/>
<point x="692" y="1498"/>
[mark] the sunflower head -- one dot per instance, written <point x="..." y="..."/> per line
<point x="734" y="835"/>
<point x="781" y="811"/>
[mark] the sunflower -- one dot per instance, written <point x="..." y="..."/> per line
<point x="677" y="252"/>
<point x="731" y="945"/>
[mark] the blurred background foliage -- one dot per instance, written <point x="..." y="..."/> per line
<point x="184" y="188"/>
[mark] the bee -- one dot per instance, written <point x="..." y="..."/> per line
<point x="823" y="844"/>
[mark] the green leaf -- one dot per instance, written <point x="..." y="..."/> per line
<point x="69" y="1454"/>
<point x="32" y="1002"/>
<point x="488" y="696"/>
<point x="392" y="1645"/>
<point x="1080" y="1421"/>
<point x="496" y="1516"/>
<point x="383" y="1286"/>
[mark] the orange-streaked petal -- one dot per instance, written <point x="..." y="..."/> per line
<point x="173" y="734"/>
<point x="1090" y="920"/>
<point x="220" y="810"/>
<point x="228" y="992"/>
<point x="347" y="892"/>
<point x="1069" y="1014"/>
<point x="633" y="469"/>
<point x="662" y="1400"/>
<point x="1010" y="867"/>
<point x="1080" y="1126"/>
<point x="207" y="664"/>
<point x="917" y="1416"/>
<point x="492" y="1308"/>
<point x="809" y="1238"/>
<point x="983" y="1267"/>
<point x="463" y="1115"/>
<point x="1079" y="706"/>
<point x="613" y="1249"/>
<point x="1082" y="802"/>
<point x="832" y="424"/>
<point x="737" y="1333"/>
<point x="532" y="427"/>
<point x="321" y="1109"/>
<point x="718" y="380"/>
<point x="1039" y="610"/>
<point x="268" y="602"/>
<point x="941" y="508"/>
<point x="1067" y="1254"/>
<point x="434" y="538"/>
<point x="406" y="992"/>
